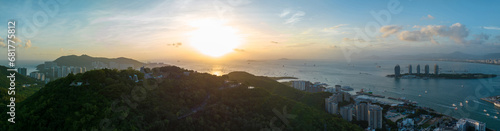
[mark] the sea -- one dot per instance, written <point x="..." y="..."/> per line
<point x="438" y="94"/>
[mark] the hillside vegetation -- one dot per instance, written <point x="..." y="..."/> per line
<point x="111" y="100"/>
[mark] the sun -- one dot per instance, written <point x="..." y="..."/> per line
<point x="213" y="37"/>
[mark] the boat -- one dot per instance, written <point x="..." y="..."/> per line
<point x="425" y="92"/>
<point x="487" y="114"/>
<point x="497" y="104"/>
<point x="466" y="101"/>
<point x="419" y="95"/>
<point x="484" y="110"/>
<point x="495" y="117"/>
<point x="456" y="108"/>
<point x="461" y="104"/>
<point x="453" y="105"/>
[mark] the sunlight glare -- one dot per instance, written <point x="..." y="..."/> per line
<point x="214" y="38"/>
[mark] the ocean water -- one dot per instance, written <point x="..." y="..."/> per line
<point x="441" y="93"/>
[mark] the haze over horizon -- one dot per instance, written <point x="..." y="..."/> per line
<point x="221" y="30"/>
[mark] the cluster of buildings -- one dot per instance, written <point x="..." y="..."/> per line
<point x="486" y="61"/>
<point x="397" y="70"/>
<point x="465" y="124"/>
<point x="362" y="110"/>
<point x="52" y="71"/>
<point x="308" y="86"/>
<point x="111" y="65"/>
<point x="55" y="71"/>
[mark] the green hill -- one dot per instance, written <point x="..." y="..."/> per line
<point x="21" y="92"/>
<point x="86" y="61"/>
<point x="198" y="101"/>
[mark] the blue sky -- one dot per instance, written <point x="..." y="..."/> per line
<point x="145" y="30"/>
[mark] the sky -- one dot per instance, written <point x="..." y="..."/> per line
<point x="253" y="29"/>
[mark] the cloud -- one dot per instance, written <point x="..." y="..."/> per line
<point x="352" y="40"/>
<point x="239" y="50"/>
<point x="491" y="27"/>
<point x="428" y="17"/>
<point x="456" y="32"/>
<point x="285" y="12"/>
<point x="175" y="44"/>
<point x="301" y="45"/>
<point x="28" y="44"/>
<point x="274" y="42"/>
<point x="295" y="18"/>
<point x="335" y="27"/>
<point x="389" y="30"/>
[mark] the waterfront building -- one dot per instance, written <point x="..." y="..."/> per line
<point x="436" y="69"/>
<point x="426" y="69"/>
<point x="409" y="69"/>
<point x="338" y="88"/>
<point x="464" y="124"/>
<point x="397" y="70"/>
<point x="375" y="117"/>
<point x="22" y="71"/>
<point x="418" y="69"/>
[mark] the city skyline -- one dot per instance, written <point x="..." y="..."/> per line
<point x="257" y="29"/>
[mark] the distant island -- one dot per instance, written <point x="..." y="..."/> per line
<point x="283" y="77"/>
<point x="436" y="74"/>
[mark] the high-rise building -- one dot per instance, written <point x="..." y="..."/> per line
<point x="426" y="69"/>
<point x="409" y="69"/>
<point x="23" y="71"/>
<point x="362" y="111"/>
<point x="375" y="117"/>
<point x="301" y="85"/>
<point x="464" y="124"/>
<point x="418" y="69"/>
<point x="397" y="70"/>
<point x="68" y="70"/>
<point x="338" y="88"/>
<point x="49" y="64"/>
<point x="334" y="107"/>
<point x="346" y="112"/>
<point x="346" y="96"/>
<point x="331" y="105"/>
<point x="52" y="72"/>
<point x="436" y="69"/>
